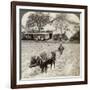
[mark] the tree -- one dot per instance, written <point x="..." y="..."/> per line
<point x="76" y="37"/>
<point x="61" y="25"/>
<point x="60" y="21"/>
<point x="37" y="19"/>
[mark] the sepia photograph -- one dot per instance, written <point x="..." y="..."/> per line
<point x="49" y="44"/>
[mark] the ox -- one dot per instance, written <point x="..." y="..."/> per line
<point x="43" y="60"/>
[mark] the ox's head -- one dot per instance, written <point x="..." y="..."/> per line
<point x="53" y="55"/>
<point x="35" y="60"/>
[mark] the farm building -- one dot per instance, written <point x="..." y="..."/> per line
<point x="42" y="35"/>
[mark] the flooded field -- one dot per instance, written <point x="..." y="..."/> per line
<point x="67" y="64"/>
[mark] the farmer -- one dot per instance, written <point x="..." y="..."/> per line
<point x="61" y="48"/>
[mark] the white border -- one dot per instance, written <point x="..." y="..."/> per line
<point x="60" y="79"/>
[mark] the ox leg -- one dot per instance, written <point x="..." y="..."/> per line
<point x="42" y="70"/>
<point x="51" y="65"/>
<point x="54" y="64"/>
<point x="46" y="68"/>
